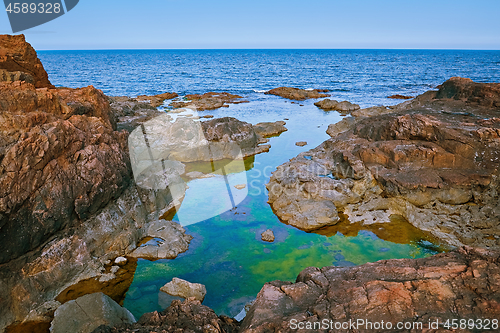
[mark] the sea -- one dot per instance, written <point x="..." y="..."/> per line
<point x="227" y="254"/>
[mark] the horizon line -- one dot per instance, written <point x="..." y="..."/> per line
<point x="270" y="49"/>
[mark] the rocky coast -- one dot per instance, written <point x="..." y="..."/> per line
<point x="75" y="216"/>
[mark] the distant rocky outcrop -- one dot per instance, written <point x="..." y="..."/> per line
<point x="330" y="105"/>
<point x="433" y="161"/>
<point x="269" y="129"/>
<point x="208" y="101"/>
<point x="460" y="284"/>
<point x="397" y="96"/>
<point x="297" y="94"/>
<point x="156" y="100"/>
<point x="18" y="60"/>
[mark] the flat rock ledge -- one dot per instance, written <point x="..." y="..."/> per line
<point x="208" y="101"/>
<point x="185" y="289"/>
<point x="297" y="94"/>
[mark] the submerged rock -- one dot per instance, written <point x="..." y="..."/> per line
<point x="451" y="285"/>
<point x="329" y="105"/>
<point x="267" y="236"/>
<point x="297" y="94"/>
<point x="185" y="289"/>
<point x="86" y="313"/>
<point x="208" y="101"/>
<point x="433" y="161"/>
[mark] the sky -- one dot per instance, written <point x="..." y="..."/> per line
<point x="271" y="24"/>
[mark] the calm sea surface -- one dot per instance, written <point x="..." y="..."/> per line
<point x="226" y="253"/>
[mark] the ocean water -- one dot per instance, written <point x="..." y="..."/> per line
<point x="227" y="254"/>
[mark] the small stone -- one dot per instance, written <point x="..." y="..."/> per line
<point x="208" y="116"/>
<point x="240" y="186"/>
<point x="267" y="236"/>
<point x="301" y="143"/>
<point x="120" y="261"/>
<point x="185" y="289"/>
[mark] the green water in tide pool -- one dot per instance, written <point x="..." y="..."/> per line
<point x="227" y="254"/>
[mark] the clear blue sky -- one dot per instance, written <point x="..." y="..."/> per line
<point x="163" y="24"/>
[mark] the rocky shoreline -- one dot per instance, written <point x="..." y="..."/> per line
<point x="73" y="212"/>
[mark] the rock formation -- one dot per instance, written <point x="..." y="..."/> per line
<point x="68" y="205"/>
<point x="267" y="236"/>
<point x="187" y="316"/>
<point x="17" y="56"/>
<point x="156" y="100"/>
<point x="297" y="94"/>
<point x="463" y="284"/>
<point x="185" y="289"/>
<point x="400" y="97"/>
<point x="433" y="161"/>
<point x="208" y="101"/>
<point x="329" y="105"/>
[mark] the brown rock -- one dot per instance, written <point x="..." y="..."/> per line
<point x="16" y="55"/>
<point x="400" y="97"/>
<point x="296" y="94"/>
<point x="301" y="143"/>
<point x="267" y="236"/>
<point x="187" y="316"/>
<point x="209" y="101"/>
<point x="156" y="100"/>
<point x="401" y="290"/>
<point x="270" y="129"/>
<point x="433" y="161"/>
<point x="328" y="105"/>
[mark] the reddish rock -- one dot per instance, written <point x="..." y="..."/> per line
<point x="445" y="286"/>
<point x="156" y="100"/>
<point x="296" y="94"/>
<point x="16" y="55"/>
<point x="60" y="162"/>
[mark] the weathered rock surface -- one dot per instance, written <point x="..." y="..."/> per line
<point x="296" y="93"/>
<point x="88" y="312"/>
<point x="129" y="113"/>
<point x="330" y="105"/>
<point x="432" y="161"/>
<point x="60" y="162"/>
<point x="267" y="236"/>
<point x="208" y="101"/>
<point x="18" y="56"/>
<point x="169" y="240"/>
<point x="461" y="284"/>
<point x="68" y="206"/>
<point x="185" y="289"/>
<point x="301" y="143"/>
<point x="180" y="317"/>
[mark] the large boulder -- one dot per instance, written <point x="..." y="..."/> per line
<point x="329" y="105"/>
<point x="17" y="56"/>
<point x="88" y="312"/>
